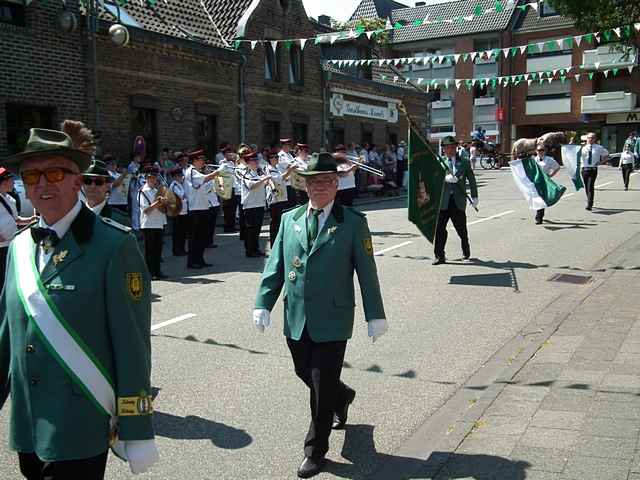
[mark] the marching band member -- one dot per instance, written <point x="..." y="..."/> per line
<point x="214" y="207"/>
<point x="284" y="160"/>
<point x="198" y="201"/>
<point x="119" y="184"/>
<point x="253" y="202"/>
<point x="276" y="194"/>
<point x="241" y="168"/>
<point x="136" y="183"/>
<point x="346" y="177"/>
<point x="227" y="165"/>
<point x="302" y="162"/>
<point x="152" y="221"/>
<point x="180" y="221"/>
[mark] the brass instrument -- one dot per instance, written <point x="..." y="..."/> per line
<point x="171" y="204"/>
<point x="364" y="166"/>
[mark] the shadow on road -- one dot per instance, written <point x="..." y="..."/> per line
<point x="367" y="463"/>
<point x="484" y="280"/>
<point x="193" y="427"/>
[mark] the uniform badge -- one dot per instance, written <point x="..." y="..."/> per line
<point x="333" y="229"/>
<point x="296" y="262"/>
<point x="134" y="285"/>
<point x="135" y="406"/>
<point x="293" y="276"/>
<point x="297" y="228"/>
<point x="59" y="258"/>
<point x="368" y="246"/>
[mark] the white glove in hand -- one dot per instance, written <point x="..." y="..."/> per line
<point x="475" y="201"/>
<point x="142" y="454"/>
<point x="261" y="318"/>
<point x="377" y="328"/>
<point x="450" y="178"/>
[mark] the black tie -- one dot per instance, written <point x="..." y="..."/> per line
<point x="313" y="225"/>
<point x="40" y="235"/>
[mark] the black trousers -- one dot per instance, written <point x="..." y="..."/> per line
<point x="241" y="220"/>
<point x="198" y="231"/>
<point x="540" y="214"/>
<point x="627" y="168"/>
<point x="32" y="468"/>
<point x="345" y="197"/>
<point x="213" y="218"/>
<point x="291" y="196"/>
<point x="275" y="211"/>
<point x="319" y="366"/>
<point x="253" y="224"/>
<point x="152" y="248"/>
<point x="179" y="235"/>
<point x="229" y="212"/>
<point x="4" y="251"/>
<point x="459" y="219"/>
<point x="589" y="176"/>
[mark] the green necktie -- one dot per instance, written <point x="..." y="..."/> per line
<point x="313" y="225"/>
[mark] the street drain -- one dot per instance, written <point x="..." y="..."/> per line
<point x="567" y="278"/>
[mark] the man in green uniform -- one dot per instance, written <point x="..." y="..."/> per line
<point x="97" y="184"/>
<point x="318" y="247"/>
<point x="75" y="347"/>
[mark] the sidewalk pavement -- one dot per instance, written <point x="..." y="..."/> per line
<point x="572" y="411"/>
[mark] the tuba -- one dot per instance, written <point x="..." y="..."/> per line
<point x="171" y="204"/>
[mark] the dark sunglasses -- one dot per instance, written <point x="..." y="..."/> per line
<point x="53" y="175"/>
<point x="98" y="182"/>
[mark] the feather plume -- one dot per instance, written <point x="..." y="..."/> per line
<point x="81" y="137"/>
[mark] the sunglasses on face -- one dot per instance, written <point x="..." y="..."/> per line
<point x="98" y="182"/>
<point x="53" y="175"/>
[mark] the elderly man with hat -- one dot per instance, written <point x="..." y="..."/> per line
<point x="78" y="371"/>
<point x="454" y="200"/>
<point x="317" y="250"/>
<point x="96" y="187"/>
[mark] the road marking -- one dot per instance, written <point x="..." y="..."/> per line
<point x="491" y="217"/>
<point x="172" y="321"/>
<point x="382" y="252"/>
<point x="603" y="184"/>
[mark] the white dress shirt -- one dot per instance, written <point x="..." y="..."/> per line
<point x="118" y="195"/>
<point x="347" y="181"/>
<point x="61" y="227"/>
<point x="322" y="218"/>
<point x="153" y="218"/>
<point x="279" y="183"/>
<point x="598" y="152"/>
<point x="252" y="198"/>
<point x="284" y="160"/>
<point x="627" y="158"/>
<point x="97" y="209"/>
<point x="8" y="226"/>
<point x="178" y="189"/>
<point x="212" y="196"/>
<point x="195" y="190"/>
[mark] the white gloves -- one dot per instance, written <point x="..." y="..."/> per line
<point x="262" y="319"/>
<point x="475" y="201"/>
<point x="450" y="178"/>
<point x="141" y="454"/>
<point x="377" y="328"/>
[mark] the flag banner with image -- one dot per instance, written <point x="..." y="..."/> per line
<point x="571" y="160"/>
<point x="426" y="182"/>
<point x="536" y="186"/>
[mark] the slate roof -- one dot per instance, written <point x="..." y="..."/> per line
<point x="490" y="22"/>
<point x="375" y="9"/>
<point x="533" y="22"/>
<point x="187" y="18"/>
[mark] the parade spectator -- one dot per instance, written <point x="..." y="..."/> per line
<point x="627" y="160"/>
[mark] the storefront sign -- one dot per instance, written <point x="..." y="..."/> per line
<point x="627" y="117"/>
<point x="341" y="107"/>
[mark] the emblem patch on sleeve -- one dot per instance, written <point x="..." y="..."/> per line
<point x="133" y="406"/>
<point x="134" y="285"/>
<point x="368" y="246"/>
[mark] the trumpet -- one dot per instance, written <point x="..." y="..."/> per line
<point x="364" y="166"/>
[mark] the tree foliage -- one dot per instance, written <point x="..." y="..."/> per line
<point x="362" y="25"/>
<point x="598" y="15"/>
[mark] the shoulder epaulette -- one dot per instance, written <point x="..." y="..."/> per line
<point x="114" y="224"/>
<point x="298" y="210"/>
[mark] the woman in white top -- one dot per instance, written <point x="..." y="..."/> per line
<point x="180" y="221"/>
<point x="9" y="219"/>
<point x="254" y="198"/>
<point x="626" y="165"/>
<point x="152" y="221"/>
<point x="346" y="177"/>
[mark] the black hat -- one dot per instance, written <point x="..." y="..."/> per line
<point x="176" y="171"/>
<point x="320" y="164"/>
<point x="97" y="169"/>
<point x="150" y="169"/>
<point x="449" y="140"/>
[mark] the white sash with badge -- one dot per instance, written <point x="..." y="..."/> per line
<point x="61" y="340"/>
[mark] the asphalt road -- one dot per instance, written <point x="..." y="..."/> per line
<point x="228" y="404"/>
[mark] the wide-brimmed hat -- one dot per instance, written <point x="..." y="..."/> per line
<point x="97" y="169"/>
<point x="320" y="164"/>
<point x="449" y="140"/>
<point x="44" y="143"/>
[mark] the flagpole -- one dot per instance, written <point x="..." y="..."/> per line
<point x="416" y="129"/>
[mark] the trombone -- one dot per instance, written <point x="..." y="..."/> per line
<point x="364" y="166"/>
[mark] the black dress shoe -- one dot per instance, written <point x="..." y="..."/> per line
<point x="197" y="266"/>
<point x="341" y="417"/>
<point x="310" y="467"/>
<point x="438" y="261"/>
<point x="587" y="208"/>
<point x="180" y="254"/>
<point x="538" y="221"/>
<point x="205" y="264"/>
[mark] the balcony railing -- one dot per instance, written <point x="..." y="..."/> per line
<point x="608" y="102"/>
<point x="609" y="56"/>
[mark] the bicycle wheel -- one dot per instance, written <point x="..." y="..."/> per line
<point x="485" y="163"/>
<point x="496" y="164"/>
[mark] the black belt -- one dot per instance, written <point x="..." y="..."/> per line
<point x="589" y="168"/>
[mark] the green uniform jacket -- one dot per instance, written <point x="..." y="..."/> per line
<point x="110" y="309"/>
<point x="318" y="284"/>
<point x="116" y="215"/>
<point x="464" y="172"/>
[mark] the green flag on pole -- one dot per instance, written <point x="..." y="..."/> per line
<point x="426" y="182"/>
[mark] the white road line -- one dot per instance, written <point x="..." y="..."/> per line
<point x="491" y="217"/>
<point x="603" y="184"/>
<point x="172" y="321"/>
<point x="382" y="252"/>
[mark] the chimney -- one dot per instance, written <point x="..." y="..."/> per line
<point x="324" y="20"/>
<point x="420" y="4"/>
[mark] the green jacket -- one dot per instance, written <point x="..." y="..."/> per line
<point x="116" y="215"/>
<point x="108" y="304"/>
<point x="318" y="284"/>
<point x="458" y="191"/>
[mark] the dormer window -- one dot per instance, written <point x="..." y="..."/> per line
<point x="546" y="9"/>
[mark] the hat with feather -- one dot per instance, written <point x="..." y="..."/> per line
<point x="75" y="142"/>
